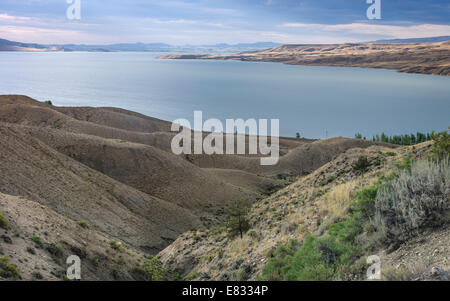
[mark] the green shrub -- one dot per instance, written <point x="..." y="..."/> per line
<point x="37" y="240"/>
<point x="54" y="249"/>
<point x="383" y="178"/>
<point x="274" y="270"/>
<point x="318" y="259"/>
<point x="417" y="199"/>
<point x="441" y="146"/>
<point x="346" y="230"/>
<point x="3" y="222"/>
<point x="48" y="102"/>
<point x="8" y="270"/>
<point x="327" y="180"/>
<point x="330" y="256"/>
<point x="377" y="162"/>
<point x="151" y="270"/>
<point x="116" y="245"/>
<point x="278" y="261"/>
<point x="361" y="165"/>
<point x="366" y="194"/>
<point x="364" y="203"/>
<point x="405" y="163"/>
<point x="83" y="224"/>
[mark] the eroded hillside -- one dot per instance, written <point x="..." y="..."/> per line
<point x="113" y="170"/>
<point x="310" y="206"/>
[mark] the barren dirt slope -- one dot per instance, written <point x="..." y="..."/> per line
<point x="34" y="170"/>
<point x="27" y="220"/>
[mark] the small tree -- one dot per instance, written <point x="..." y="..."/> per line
<point x="297" y="135"/>
<point x="413" y="139"/>
<point x="361" y="165"/>
<point x="358" y="136"/>
<point x="238" y="222"/>
<point x="441" y="147"/>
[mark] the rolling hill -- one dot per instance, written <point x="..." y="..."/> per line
<point x="113" y="170"/>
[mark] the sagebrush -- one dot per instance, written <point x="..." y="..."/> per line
<point x="419" y="198"/>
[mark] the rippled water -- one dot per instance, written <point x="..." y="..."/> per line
<point x="310" y="100"/>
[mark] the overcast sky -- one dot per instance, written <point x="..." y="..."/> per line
<point x="220" y="21"/>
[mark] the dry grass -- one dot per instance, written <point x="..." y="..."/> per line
<point x="338" y="198"/>
<point x="402" y="273"/>
<point x="238" y="246"/>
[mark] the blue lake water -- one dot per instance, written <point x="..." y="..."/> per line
<point x="310" y="100"/>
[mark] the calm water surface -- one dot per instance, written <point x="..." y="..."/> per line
<point x="310" y="100"/>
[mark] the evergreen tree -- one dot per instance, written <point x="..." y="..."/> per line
<point x="420" y="137"/>
<point x="238" y="222"/>
<point x="441" y="147"/>
<point x="406" y="140"/>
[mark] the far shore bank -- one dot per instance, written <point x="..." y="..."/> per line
<point x="420" y="58"/>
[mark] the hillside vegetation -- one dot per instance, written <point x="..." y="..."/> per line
<point x="394" y="204"/>
<point x="104" y="184"/>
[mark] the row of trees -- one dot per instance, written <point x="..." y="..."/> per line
<point x="400" y="139"/>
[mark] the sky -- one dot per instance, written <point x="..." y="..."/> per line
<point x="197" y="22"/>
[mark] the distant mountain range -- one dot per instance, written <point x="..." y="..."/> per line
<point x="6" y="45"/>
<point x="416" y="40"/>
<point x="223" y="48"/>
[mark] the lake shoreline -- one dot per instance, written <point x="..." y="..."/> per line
<point x="424" y="58"/>
<point x="315" y="101"/>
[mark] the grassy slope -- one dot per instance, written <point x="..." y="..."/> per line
<point x="305" y="207"/>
